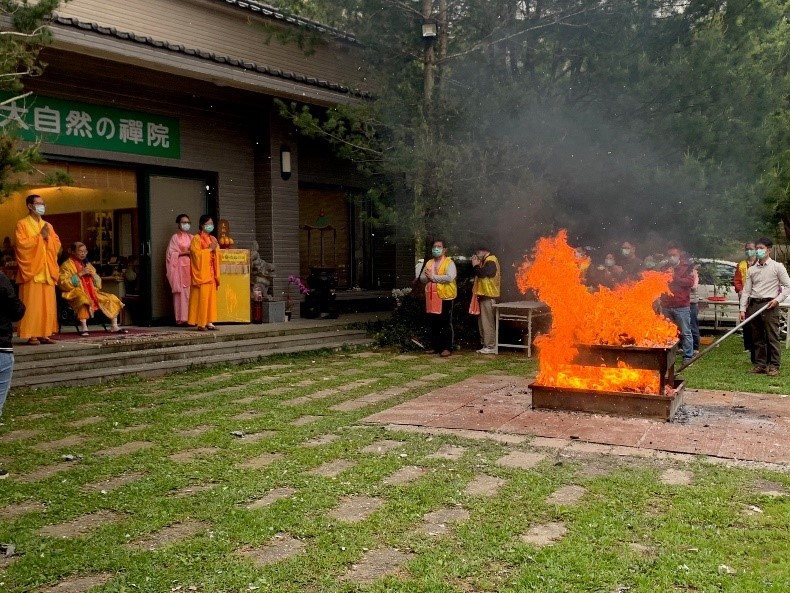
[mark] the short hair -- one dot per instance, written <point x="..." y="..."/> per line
<point x="180" y="216"/>
<point x="748" y="243"/>
<point x="764" y="241"/>
<point x="76" y="245"/>
<point x="481" y="247"/>
<point x="439" y="241"/>
<point x="31" y="198"/>
<point x="204" y="218"/>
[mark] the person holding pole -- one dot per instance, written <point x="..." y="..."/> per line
<point x="766" y="282"/>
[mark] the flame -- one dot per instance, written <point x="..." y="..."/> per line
<point x="620" y="317"/>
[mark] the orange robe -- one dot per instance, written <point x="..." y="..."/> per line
<point x="205" y="280"/>
<point x="84" y="294"/>
<point x="37" y="274"/>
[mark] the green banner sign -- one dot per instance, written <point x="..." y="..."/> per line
<point x="70" y="123"/>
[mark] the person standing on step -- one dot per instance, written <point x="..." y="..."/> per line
<point x="11" y="309"/>
<point x="179" y="274"/>
<point x="204" y="260"/>
<point x="440" y="291"/>
<point x="486" y="289"/>
<point x="37" y="247"/>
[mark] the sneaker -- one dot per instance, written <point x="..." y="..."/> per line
<point x="486" y="351"/>
<point x="772" y="372"/>
<point x="445" y="353"/>
<point x="3" y="474"/>
<point x="758" y="370"/>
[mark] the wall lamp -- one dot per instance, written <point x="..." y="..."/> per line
<point x="428" y="30"/>
<point x="285" y="162"/>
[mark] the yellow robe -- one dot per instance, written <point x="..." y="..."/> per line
<point x="205" y="280"/>
<point x="74" y="293"/>
<point x="37" y="274"/>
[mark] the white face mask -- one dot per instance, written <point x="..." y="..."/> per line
<point x="40" y="209"/>
<point x="185" y="226"/>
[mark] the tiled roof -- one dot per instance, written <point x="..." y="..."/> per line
<point x="276" y="13"/>
<point x="206" y="55"/>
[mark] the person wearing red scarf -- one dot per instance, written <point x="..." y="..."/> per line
<point x="81" y="288"/>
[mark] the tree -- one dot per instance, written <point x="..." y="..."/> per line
<point x="19" y="49"/>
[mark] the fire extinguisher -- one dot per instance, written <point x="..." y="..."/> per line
<point x="257" y="305"/>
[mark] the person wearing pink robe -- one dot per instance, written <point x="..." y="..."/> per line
<point x="178" y="269"/>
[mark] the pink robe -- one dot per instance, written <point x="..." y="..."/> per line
<point x="179" y="275"/>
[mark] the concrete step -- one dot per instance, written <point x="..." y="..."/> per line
<point x="105" y="373"/>
<point x="89" y="360"/>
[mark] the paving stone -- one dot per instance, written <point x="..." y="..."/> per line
<point x="192" y="454"/>
<point x="377" y="364"/>
<point x="110" y="484"/>
<point x="439" y="522"/>
<point x="69" y="441"/>
<point x="250" y="399"/>
<point x="376" y="564"/>
<point x="194" y="412"/>
<point x="640" y="549"/>
<point x="332" y="469"/>
<point x="304" y="383"/>
<point x="323" y="394"/>
<point x="567" y="495"/>
<point x="484" y="485"/>
<point x="350" y="405"/>
<point x="677" y="477"/>
<point x="435" y="377"/>
<point x="304" y="420"/>
<point x="520" y="460"/>
<point x="132" y="428"/>
<point x="383" y="447"/>
<point x="19" y="435"/>
<point x="404" y="475"/>
<point x="261" y="461"/>
<point x="297" y="401"/>
<point x="44" y="471"/>
<point x="352" y="372"/>
<point x="318" y="441"/>
<point x="249" y="415"/>
<point x="169" y="535"/>
<point x="32" y="417"/>
<point x="197" y="396"/>
<point x="12" y="511"/>
<point x="356" y="508"/>
<point x="545" y="534"/>
<point x="78" y="584"/>
<point x="394" y="375"/>
<point x="366" y="354"/>
<point x="127" y="448"/>
<point x="85" y="421"/>
<point x="549" y="442"/>
<point x="254" y="437"/>
<point x="405" y="357"/>
<point x="272" y="496"/>
<point x="192" y="489"/>
<point x="6" y="561"/>
<point x="416" y="384"/>
<point x="81" y="525"/>
<point x="450" y="452"/>
<point x="195" y="430"/>
<point x="592" y="448"/>
<point x="281" y="547"/>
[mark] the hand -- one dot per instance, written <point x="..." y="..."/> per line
<point x="45" y="232"/>
<point x="742" y="316"/>
<point x="429" y="276"/>
<point x="214" y="245"/>
<point x="773" y="304"/>
<point x="475" y="260"/>
<point x="86" y="272"/>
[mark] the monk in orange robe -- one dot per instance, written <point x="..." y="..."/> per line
<point x="204" y="267"/>
<point x="37" y="248"/>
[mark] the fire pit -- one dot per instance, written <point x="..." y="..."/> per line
<point x="661" y="405"/>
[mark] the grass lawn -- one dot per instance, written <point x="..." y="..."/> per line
<point x="162" y="496"/>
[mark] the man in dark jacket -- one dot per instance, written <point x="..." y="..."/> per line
<point x="11" y="309"/>
<point x="676" y="304"/>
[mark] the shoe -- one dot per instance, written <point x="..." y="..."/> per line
<point x="445" y="353"/>
<point x="47" y="341"/>
<point x="84" y="334"/>
<point x="486" y="351"/>
<point x="211" y="327"/>
<point x="200" y="328"/>
<point x="3" y="474"/>
<point x="120" y="330"/>
<point x="772" y="372"/>
<point x="758" y="370"/>
<point x="33" y="342"/>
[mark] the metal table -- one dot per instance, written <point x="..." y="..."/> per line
<point x="784" y="310"/>
<point x="519" y="311"/>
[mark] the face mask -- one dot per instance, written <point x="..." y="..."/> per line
<point x="761" y="253"/>
<point x="751" y="252"/>
<point x="185" y="226"/>
<point x="40" y="209"/>
<point x="626" y="252"/>
<point x="674" y="260"/>
<point x="209" y="228"/>
<point x="650" y="264"/>
<point x="436" y="251"/>
<point x="609" y="263"/>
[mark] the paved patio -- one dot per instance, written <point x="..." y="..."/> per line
<point x="729" y="425"/>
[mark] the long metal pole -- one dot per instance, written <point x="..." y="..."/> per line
<point x="715" y="344"/>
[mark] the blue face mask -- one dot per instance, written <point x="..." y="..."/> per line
<point x="40" y="209"/>
<point x="674" y="260"/>
<point x="185" y="226"/>
<point x="436" y="251"/>
<point x="650" y="264"/>
<point x="761" y="253"/>
<point x="209" y="228"/>
<point x="751" y="252"/>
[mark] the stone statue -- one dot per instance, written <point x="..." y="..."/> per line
<point x="261" y="274"/>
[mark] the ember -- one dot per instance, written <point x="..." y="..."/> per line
<point x="623" y="317"/>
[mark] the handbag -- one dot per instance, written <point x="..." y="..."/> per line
<point x="474" y="305"/>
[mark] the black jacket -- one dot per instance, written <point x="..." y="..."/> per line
<point x="11" y="309"/>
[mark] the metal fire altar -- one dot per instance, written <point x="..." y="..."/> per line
<point x="661" y="406"/>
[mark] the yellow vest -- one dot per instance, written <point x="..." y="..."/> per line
<point x="488" y="287"/>
<point x="447" y="290"/>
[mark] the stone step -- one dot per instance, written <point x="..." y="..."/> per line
<point x="152" y="369"/>
<point x="92" y="360"/>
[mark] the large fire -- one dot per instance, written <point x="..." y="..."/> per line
<point x="620" y="317"/>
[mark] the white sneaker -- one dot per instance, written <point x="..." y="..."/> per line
<point x="486" y="351"/>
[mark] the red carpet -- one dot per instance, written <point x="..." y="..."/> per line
<point x="100" y="334"/>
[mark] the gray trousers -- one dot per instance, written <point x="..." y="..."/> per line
<point x="765" y="334"/>
<point x="486" y="323"/>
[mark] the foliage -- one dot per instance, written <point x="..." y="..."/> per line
<point x="19" y="49"/>
<point x="651" y="119"/>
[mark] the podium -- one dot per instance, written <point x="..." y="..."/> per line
<point x="233" y="295"/>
